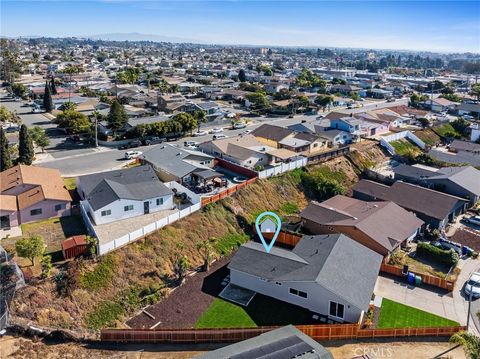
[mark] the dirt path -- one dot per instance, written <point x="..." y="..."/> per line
<point x="18" y="348"/>
<point x="183" y="307"/>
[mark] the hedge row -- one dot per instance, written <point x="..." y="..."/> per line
<point x="428" y="251"/>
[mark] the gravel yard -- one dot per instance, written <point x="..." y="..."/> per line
<point x="184" y="306"/>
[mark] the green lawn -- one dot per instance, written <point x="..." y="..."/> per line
<point x="223" y="314"/>
<point x="447" y="130"/>
<point x="403" y="147"/>
<point x="397" y="315"/>
<point x="261" y="311"/>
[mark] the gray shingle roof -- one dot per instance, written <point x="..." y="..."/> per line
<point x="335" y="261"/>
<point x="384" y="222"/>
<point x="174" y="160"/>
<point x="414" y="198"/>
<point x="282" y="343"/>
<point x="135" y="183"/>
<point x="467" y="177"/>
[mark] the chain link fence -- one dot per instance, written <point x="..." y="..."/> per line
<point x="11" y="278"/>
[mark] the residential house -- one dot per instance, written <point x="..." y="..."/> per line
<point x="125" y="193"/>
<point x="31" y="194"/>
<point x="440" y="105"/>
<point x="284" y="342"/>
<point x="435" y="208"/>
<point x="471" y="109"/>
<point x="381" y="226"/>
<point x="247" y="151"/>
<point x="344" y="89"/>
<point x="330" y="275"/>
<point x="334" y="137"/>
<point x="171" y="102"/>
<point x="172" y="163"/>
<point x="464" y="146"/>
<point x="462" y="182"/>
<point x="271" y="135"/>
<point x="304" y="143"/>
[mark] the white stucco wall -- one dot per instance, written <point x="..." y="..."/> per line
<point x="118" y="212"/>
<point x="318" y="298"/>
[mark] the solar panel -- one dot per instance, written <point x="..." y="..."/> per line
<point x="287" y="348"/>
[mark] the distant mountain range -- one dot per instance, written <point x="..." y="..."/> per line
<point x="135" y="36"/>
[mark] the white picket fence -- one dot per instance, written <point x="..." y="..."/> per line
<point x="385" y="140"/>
<point x="282" y="168"/>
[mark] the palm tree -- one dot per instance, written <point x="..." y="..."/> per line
<point x="470" y="343"/>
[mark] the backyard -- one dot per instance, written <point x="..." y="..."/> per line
<point x="404" y="147"/>
<point x="397" y="315"/>
<point x="53" y="231"/>
<point x="422" y="265"/>
<point x="261" y="311"/>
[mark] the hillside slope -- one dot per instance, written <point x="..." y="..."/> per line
<point x="94" y="294"/>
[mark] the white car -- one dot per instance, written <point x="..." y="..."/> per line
<point x="230" y="115"/>
<point x="200" y="133"/>
<point x="219" y="136"/>
<point x="130" y="155"/>
<point x="239" y="125"/>
<point x="216" y="130"/>
<point x="473" y="286"/>
<point x="190" y="144"/>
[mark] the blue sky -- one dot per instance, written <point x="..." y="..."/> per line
<point x="430" y="25"/>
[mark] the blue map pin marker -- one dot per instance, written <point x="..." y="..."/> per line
<point x="278" y="227"/>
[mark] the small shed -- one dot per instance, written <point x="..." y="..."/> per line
<point x="74" y="246"/>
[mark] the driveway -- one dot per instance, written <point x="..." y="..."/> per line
<point x="452" y="305"/>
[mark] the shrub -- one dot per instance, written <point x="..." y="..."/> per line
<point x="104" y="315"/>
<point x="428" y="251"/>
<point x="289" y="208"/>
<point x="100" y="276"/>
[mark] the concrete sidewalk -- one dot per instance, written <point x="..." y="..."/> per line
<point x="452" y="305"/>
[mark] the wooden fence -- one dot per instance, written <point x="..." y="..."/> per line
<point x="324" y="156"/>
<point x="219" y="335"/>
<point x="290" y="239"/>
<point x="226" y="193"/>
<point x="427" y="279"/>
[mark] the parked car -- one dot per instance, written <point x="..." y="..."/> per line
<point x="239" y="125"/>
<point x="473" y="220"/>
<point x="216" y="130"/>
<point x="219" y="136"/>
<point x="191" y="144"/>
<point x="129" y="155"/>
<point x="473" y="286"/>
<point x="200" y="133"/>
<point x="131" y="144"/>
<point x="153" y="141"/>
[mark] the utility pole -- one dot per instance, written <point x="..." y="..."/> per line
<point x="96" y="131"/>
<point x="469" y="306"/>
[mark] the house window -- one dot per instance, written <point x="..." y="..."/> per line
<point x="35" y="212"/>
<point x="59" y="207"/>
<point x="159" y="201"/>
<point x="106" y="213"/>
<point x="315" y="145"/>
<point x="298" y="292"/>
<point x="337" y="310"/>
<point x="128" y="208"/>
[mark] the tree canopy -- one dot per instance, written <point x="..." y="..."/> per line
<point x="30" y="247"/>
<point x="26" y="153"/>
<point x="117" y="117"/>
<point x="40" y="137"/>
<point x="5" y="160"/>
<point x="73" y="122"/>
